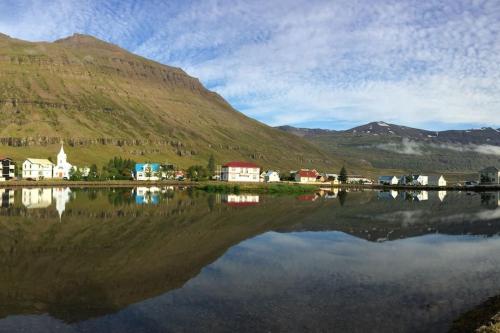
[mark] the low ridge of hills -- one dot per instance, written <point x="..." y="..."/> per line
<point x="484" y="135"/>
<point x="383" y="147"/>
<point x="104" y="101"/>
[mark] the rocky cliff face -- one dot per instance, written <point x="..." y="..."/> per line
<point x="87" y="92"/>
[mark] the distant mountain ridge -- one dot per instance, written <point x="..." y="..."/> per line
<point x="380" y="147"/>
<point x="485" y="135"/>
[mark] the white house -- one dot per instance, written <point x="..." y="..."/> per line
<point x="36" y="168"/>
<point x="240" y="172"/>
<point x="437" y="180"/>
<point x="415" y="180"/>
<point x="489" y="175"/>
<point x="63" y="168"/>
<point x="356" y="179"/>
<point x="306" y="176"/>
<point x="388" y="180"/>
<point x="147" y="171"/>
<point x="271" y="176"/>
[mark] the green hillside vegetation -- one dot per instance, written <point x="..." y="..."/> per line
<point x="103" y="101"/>
<point x="385" y="154"/>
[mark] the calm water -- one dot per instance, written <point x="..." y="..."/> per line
<point x="178" y="260"/>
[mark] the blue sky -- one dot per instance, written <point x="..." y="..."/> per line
<point x="313" y="63"/>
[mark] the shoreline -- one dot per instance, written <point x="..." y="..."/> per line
<point x="241" y="185"/>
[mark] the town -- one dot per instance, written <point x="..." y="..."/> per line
<point x="36" y="169"/>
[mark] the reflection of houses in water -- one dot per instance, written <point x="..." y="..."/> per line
<point x="241" y="199"/>
<point x="147" y="195"/>
<point x="387" y="195"/>
<point x="308" y="197"/>
<point x="61" y="196"/>
<point x="36" y="197"/>
<point x="415" y="195"/>
<point x="332" y="194"/>
<point x="441" y="195"/>
<point x="7" y="197"/>
<point x="490" y="199"/>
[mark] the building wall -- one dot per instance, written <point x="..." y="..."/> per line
<point x="491" y="174"/>
<point x="7" y="169"/>
<point x="37" y="171"/>
<point x="237" y="174"/>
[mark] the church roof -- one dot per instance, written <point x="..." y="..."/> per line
<point x="41" y="161"/>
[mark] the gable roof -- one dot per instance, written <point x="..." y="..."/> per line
<point x="490" y="168"/>
<point x="140" y="166"/>
<point x="308" y="173"/>
<point x="387" y="177"/>
<point x="238" y="164"/>
<point x="435" y="177"/>
<point x="41" y="161"/>
<point x="2" y="158"/>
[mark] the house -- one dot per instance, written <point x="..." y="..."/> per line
<point x="489" y="175"/>
<point x="147" y="171"/>
<point x="357" y="179"/>
<point x="62" y="169"/>
<point x="415" y="180"/>
<point x="271" y="176"/>
<point x="179" y="175"/>
<point x="306" y="176"/>
<point x="37" y="168"/>
<point x="437" y="180"/>
<point x="240" y="172"/>
<point x="8" y="168"/>
<point x="388" y="180"/>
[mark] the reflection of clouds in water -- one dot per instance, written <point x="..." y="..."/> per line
<point x="328" y="277"/>
<point x="484" y="215"/>
<point x="406" y="217"/>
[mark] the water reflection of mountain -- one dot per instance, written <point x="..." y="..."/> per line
<point x="109" y="252"/>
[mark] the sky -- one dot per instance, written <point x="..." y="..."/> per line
<point x="308" y="63"/>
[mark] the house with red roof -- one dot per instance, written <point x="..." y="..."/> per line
<point x="306" y="176"/>
<point x="240" y="172"/>
<point x="7" y="168"/>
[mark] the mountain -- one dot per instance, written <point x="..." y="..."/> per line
<point x="382" y="147"/>
<point x="104" y="101"/>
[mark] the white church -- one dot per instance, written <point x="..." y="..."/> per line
<point x="62" y="168"/>
<point x="34" y="168"/>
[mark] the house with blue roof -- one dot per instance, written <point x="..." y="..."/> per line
<point x="147" y="171"/>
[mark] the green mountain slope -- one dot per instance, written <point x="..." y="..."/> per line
<point x="103" y="101"/>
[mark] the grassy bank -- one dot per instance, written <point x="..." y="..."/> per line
<point x="258" y="187"/>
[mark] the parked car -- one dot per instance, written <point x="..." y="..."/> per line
<point x="471" y="183"/>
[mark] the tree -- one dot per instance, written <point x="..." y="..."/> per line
<point x="197" y="172"/>
<point x="211" y="166"/>
<point x="93" y="173"/>
<point x="75" y="174"/>
<point x="343" y="175"/>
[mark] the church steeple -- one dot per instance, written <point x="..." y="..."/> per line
<point x="61" y="157"/>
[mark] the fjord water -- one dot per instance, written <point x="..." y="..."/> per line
<point x="181" y="260"/>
